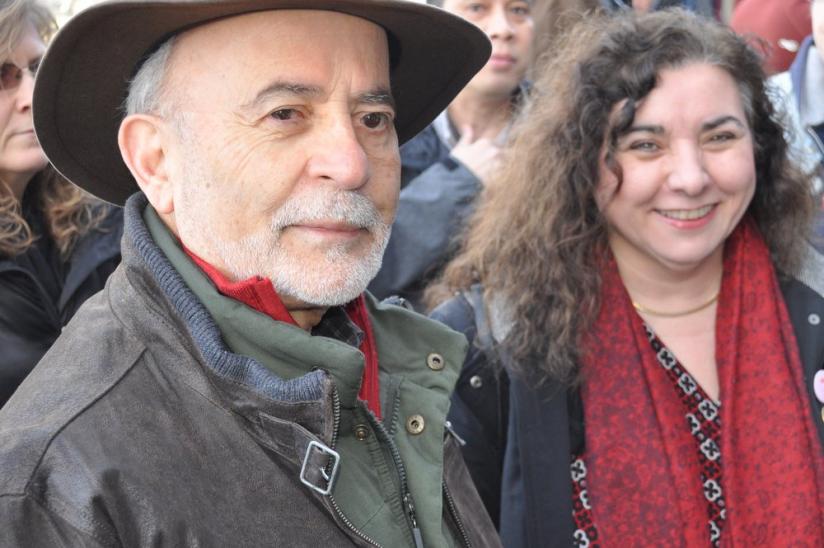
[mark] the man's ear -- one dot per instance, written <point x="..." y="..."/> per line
<point x="142" y="142"/>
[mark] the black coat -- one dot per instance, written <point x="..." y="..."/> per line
<point x="519" y="438"/>
<point x="437" y="198"/>
<point x="39" y="293"/>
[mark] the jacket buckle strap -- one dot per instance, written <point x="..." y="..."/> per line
<point x="313" y="473"/>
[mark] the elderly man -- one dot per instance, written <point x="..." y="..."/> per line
<point x="233" y="385"/>
<point x="446" y="165"/>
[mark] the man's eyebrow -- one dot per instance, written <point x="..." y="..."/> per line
<point x="720" y="121"/>
<point x="378" y="96"/>
<point x="281" y="87"/>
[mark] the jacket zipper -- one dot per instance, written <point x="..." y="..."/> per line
<point x="330" y="496"/>
<point x="406" y="495"/>
<point x="451" y="505"/>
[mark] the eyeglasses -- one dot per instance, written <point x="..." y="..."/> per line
<point x="11" y="75"/>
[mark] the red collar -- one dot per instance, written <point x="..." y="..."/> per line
<point x="256" y="292"/>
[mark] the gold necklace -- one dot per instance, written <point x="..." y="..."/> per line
<point x="644" y="310"/>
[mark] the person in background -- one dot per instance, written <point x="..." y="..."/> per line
<point x="445" y="166"/>
<point x="639" y="271"/>
<point x="801" y="99"/>
<point x="778" y="27"/>
<point x="57" y="244"/>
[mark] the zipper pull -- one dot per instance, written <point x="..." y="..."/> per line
<point x="410" y="511"/>
<point x="451" y="430"/>
<point x="418" y="538"/>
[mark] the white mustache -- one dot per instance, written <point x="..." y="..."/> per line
<point x="339" y="206"/>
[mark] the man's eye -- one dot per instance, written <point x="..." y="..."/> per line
<point x="475" y="8"/>
<point x="376" y="120"/>
<point x="285" y="114"/>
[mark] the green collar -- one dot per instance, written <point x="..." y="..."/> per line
<point x="287" y="350"/>
<point x="404" y="339"/>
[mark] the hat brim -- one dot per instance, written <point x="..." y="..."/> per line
<point x="83" y="79"/>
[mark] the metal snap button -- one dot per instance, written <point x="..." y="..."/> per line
<point x="435" y="362"/>
<point x="415" y="424"/>
<point x="361" y="432"/>
<point x="476" y="381"/>
<point x="814" y="319"/>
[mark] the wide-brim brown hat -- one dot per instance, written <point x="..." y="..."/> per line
<point x="83" y="79"/>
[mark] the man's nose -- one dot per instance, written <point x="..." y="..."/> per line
<point x="339" y="157"/>
<point x="498" y="25"/>
<point x="688" y="173"/>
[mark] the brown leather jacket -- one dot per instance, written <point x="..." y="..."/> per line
<point x="140" y="428"/>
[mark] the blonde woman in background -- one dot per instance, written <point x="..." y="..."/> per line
<point x="57" y="245"/>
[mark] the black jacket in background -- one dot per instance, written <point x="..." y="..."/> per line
<point x="437" y="198"/>
<point x="39" y="292"/>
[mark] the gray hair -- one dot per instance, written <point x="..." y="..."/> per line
<point x="146" y="88"/>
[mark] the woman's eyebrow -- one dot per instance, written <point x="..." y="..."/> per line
<point x="720" y="121"/>
<point x="657" y="130"/>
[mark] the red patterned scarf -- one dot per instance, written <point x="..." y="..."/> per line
<point x="259" y="294"/>
<point x="643" y="469"/>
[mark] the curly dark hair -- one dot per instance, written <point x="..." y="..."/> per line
<point x="537" y="236"/>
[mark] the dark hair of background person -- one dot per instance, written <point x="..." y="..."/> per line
<point x="537" y="235"/>
<point x="554" y="18"/>
<point x="68" y="212"/>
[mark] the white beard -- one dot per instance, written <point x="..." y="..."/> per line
<point x="338" y="278"/>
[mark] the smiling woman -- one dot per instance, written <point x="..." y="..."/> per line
<point x="57" y="245"/>
<point x="642" y="265"/>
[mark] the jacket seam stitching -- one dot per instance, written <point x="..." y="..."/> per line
<point x="74" y="417"/>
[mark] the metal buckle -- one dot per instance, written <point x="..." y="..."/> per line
<point x="330" y="478"/>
